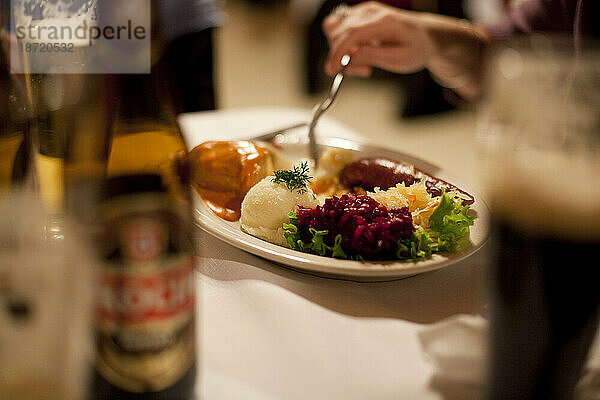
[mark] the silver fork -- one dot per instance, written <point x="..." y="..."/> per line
<point x="317" y="111"/>
<point x="320" y="109"/>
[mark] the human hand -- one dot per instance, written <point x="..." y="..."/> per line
<point x="376" y="35"/>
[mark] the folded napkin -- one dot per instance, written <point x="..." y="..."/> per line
<point x="457" y="347"/>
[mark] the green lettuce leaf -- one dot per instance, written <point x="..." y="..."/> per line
<point x="291" y="234"/>
<point x="337" y="250"/>
<point x="415" y="247"/>
<point x="451" y="221"/>
<point x="318" y="246"/>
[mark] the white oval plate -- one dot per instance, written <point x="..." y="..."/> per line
<point x="231" y="233"/>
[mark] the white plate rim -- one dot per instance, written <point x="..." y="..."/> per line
<point x="230" y="232"/>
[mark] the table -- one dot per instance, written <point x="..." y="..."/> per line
<point x="268" y="332"/>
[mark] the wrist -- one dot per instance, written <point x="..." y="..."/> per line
<point x="457" y="55"/>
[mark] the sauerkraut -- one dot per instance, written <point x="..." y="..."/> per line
<point x="420" y="203"/>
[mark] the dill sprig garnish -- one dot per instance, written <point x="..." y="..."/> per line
<point x="294" y="179"/>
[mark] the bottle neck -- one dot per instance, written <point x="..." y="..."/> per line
<point x="87" y="145"/>
<point x="144" y="97"/>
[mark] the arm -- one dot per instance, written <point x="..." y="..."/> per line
<point x="403" y="41"/>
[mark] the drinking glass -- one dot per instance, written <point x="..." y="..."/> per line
<point x="64" y="100"/>
<point x="540" y="127"/>
<point x="45" y="305"/>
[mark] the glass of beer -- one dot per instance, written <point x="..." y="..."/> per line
<point x="45" y="306"/>
<point x="541" y="123"/>
<point x="53" y="63"/>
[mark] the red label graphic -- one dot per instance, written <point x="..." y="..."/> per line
<point x="129" y="298"/>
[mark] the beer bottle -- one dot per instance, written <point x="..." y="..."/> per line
<point x="145" y="316"/>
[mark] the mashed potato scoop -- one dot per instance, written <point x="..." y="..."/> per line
<point x="266" y="207"/>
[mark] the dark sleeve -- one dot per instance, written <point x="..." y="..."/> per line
<point x="537" y="16"/>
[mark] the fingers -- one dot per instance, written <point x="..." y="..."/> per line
<point x="332" y="22"/>
<point x="350" y="39"/>
<point x="377" y="37"/>
<point x="337" y="17"/>
<point x="400" y="58"/>
<point x="349" y="29"/>
<point x="362" y="70"/>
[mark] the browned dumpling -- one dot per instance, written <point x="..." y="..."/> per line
<point x="224" y="171"/>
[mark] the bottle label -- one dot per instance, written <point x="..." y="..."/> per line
<point x="145" y="333"/>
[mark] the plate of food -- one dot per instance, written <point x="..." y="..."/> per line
<point x="364" y="213"/>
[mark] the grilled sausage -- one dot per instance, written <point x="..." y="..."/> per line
<point x="369" y="173"/>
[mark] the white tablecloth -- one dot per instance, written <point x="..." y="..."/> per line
<point x="268" y="332"/>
